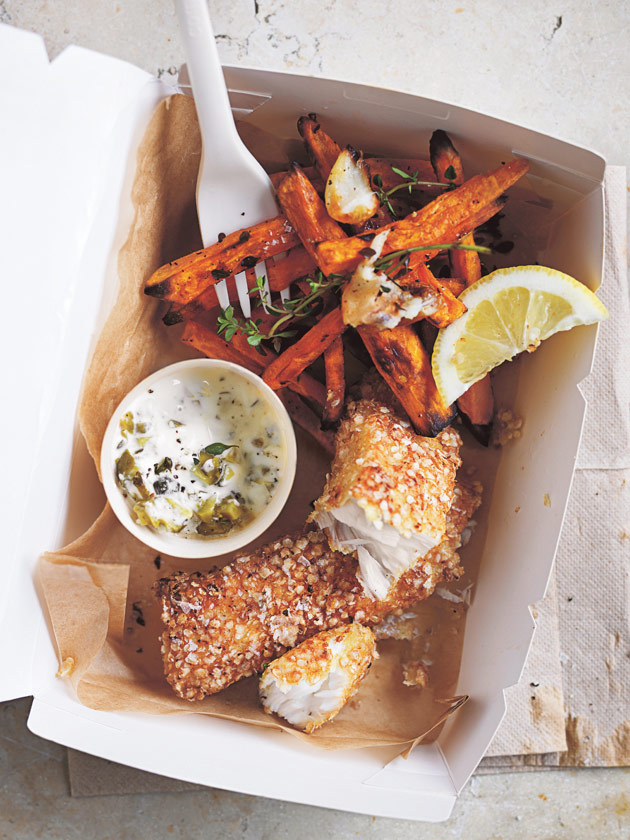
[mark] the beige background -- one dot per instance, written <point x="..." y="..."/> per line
<point x="517" y="62"/>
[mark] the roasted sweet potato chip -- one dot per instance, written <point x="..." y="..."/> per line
<point x="290" y="363"/>
<point x="448" y="217"/>
<point x="311" y="173"/>
<point x="455" y="285"/>
<point x="405" y="365"/>
<point x="335" y="382"/>
<point x="210" y="344"/>
<point x="321" y="148"/>
<point x="186" y="278"/>
<point x="477" y="404"/>
<point x="280" y="274"/>
<point x="306" y="211"/>
<point x="465" y="264"/>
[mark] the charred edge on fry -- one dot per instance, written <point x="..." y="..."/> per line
<point x="304" y="121"/>
<point x="440" y="142"/>
<point x="172" y="317"/>
<point x="159" y="290"/>
<point x="439" y="420"/>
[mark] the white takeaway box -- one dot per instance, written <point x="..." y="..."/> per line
<point x="67" y="150"/>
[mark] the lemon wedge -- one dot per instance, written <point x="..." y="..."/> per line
<point x="510" y="310"/>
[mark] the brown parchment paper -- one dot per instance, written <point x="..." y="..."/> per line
<point x="106" y="574"/>
<point x="576" y="648"/>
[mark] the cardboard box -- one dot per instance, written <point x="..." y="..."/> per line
<point x="67" y="157"/>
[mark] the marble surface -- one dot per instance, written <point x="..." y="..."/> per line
<point x="35" y="802"/>
<point x="559" y="67"/>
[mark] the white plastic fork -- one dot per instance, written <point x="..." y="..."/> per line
<point x="233" y="190"/>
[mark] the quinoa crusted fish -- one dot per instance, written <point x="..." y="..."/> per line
<point x="311" y="683"/>
<point x="226" y="625"/>
<point x="388" y="492"/>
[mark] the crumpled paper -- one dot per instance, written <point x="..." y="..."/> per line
<point x="593" y="559"/>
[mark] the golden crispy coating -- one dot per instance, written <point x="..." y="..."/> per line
<point x="311" y="683"/>
<point x="225" y="625"/>
<point x="397" y="477"/>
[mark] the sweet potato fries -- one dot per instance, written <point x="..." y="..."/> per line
<point x="477" y="404"/>
<point x="422" y="206"/>
<point x="449" y="217"/>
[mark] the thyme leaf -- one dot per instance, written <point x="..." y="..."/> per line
<point x="286" y="312"/>
<point x="398" y="261"/>
<point x="408" y="183"/>
<point x="217" y="448"/>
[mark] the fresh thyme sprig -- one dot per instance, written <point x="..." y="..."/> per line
<point x="289" y="310"/>
<point x="394" y="265"/>
<point x="228" y="324"/>
<point x="408" y="183"/>
<point x="398" y="261"/>
<point x="299" y="307"/>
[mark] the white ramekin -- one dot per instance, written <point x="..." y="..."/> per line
<point x="173" y="544"/>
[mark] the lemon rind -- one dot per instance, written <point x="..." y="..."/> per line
<point x="539" y="278"/>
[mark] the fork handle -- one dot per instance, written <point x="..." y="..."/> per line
<point x="206" y="77"/>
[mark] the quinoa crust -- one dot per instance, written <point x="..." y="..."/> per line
<point x="396" y="476"/>
<point x="226" y="625"/>
<point x="313" y="660"/>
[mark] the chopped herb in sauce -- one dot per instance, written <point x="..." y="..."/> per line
<point x="217" y="448"/>
<point x="165" y="464"/>
<point x="179" y="482"/>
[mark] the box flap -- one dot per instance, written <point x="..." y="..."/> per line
<point x="69" y="159"/>
<point x="68" y="128"/>
<point x="370" y="781"/>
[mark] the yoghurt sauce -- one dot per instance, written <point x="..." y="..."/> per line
<point x="200" y="457"/>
